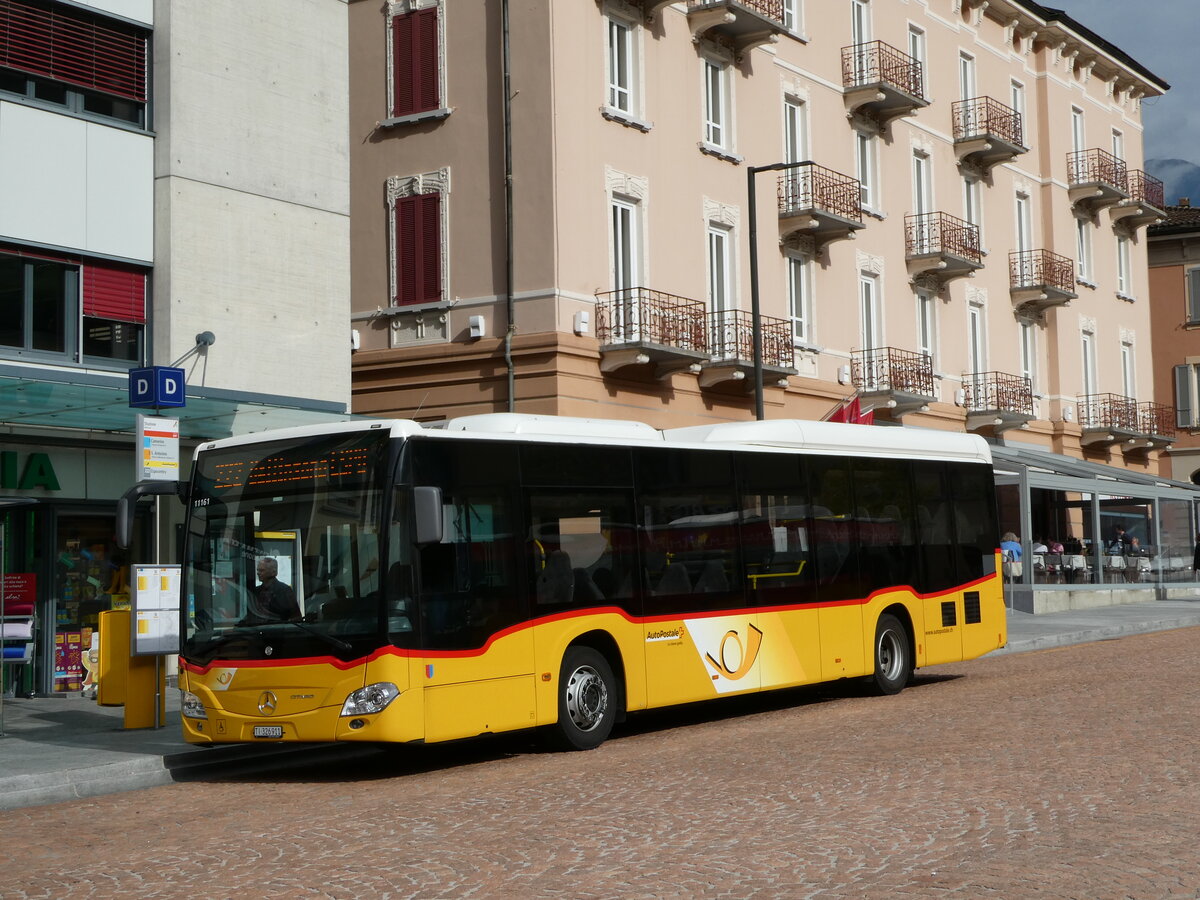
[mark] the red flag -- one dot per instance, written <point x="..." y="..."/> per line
<point x="838" y="415"/>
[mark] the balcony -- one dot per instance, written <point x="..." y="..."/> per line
<point x="986" y="133"/>
<point x="1157" y="422"/>
<point x="881" y="82"/>
<point x="639" y="326"/>
<point x="1096" y="179"/>
<point x="731" y="340"/>
<point x="1146" y="204"/>
<point x="1040" y="279"/>
<point x="939" y="246"/>
<point x="819" y="204"/>
<point x="899" y="381"/>
<point x="997" y="400"/>
<point x="1110" y="419"/>
<point x="740" y="25"/>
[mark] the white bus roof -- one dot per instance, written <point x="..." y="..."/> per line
<point x="773" y="434"/>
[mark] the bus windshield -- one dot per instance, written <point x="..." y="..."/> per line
<point x="284" y="551"/>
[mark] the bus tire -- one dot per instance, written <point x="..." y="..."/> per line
<point x="587" y="699"/>
<point x="893" y="656"/>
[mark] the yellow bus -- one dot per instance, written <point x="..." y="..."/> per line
<point x="383" y="581"/>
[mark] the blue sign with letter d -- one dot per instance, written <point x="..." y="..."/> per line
<point x="156" y="386"/>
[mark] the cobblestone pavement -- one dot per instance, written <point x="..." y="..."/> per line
<point x="1068" y="773"/>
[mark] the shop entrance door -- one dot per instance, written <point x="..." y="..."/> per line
<point x="89" y="574"/>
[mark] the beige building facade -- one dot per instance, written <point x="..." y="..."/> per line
<point x="949" y="216"/>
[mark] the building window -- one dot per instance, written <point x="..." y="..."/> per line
<point x="1187" y="397"/>
<point x="926" y="324"/>
<point x="795" y="131"/>
<point x="1088" y="354"/>
<point x="1017" y="98"/>
<point x="1118" y="144"/>
<point x="1028" y="337"/>
<point x="1083" y="251"/>
<point x="966" y="76"/>
<point x="622" y="65"/>
<point x="1078" y="137"/>
<point x="1124" y="275"/>
<point x="720" y="298"/>
<point x="916" y="45"/>
<point x="418" y="243"/>
<point x="1024" y="223"/>
<point x="860" y="21"/>
<point x="976" y="339"/>
<point x="1193" y="296"/>
<point x="870" y="328"/>
<point x="793" y="16"/>
<point x="973" y="204"/>
<point x="60" y="310"/>
<point x="61" y="55"/>
<point x="1128" y="382"/>
<point x="865" y="168"/>
<point x="625" y="256"/>
<point x="922" y="184"/>
<point x="799" y="298"/>
<point x="416" y="69"/>
<point x="716" y="104"/>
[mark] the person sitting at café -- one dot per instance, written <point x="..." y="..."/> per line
<point x="1010" y="547"/>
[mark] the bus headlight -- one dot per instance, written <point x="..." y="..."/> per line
<point x="190" y="706"/>
<point x="373" y="698"/>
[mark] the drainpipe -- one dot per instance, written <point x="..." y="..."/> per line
<point x="508" y="216"/>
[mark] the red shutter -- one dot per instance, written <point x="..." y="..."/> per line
<point x="70" y="45"/>
<point x="415" y="62"/>
<point x="418" y="249"/>
<point x="114" y="292"/>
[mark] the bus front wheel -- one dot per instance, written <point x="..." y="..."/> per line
<point x="587" y="697"/>
<point x="893" y="656"/>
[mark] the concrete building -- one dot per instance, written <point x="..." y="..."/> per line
<point x="1174" y="256"/>
<point x="170" y="172"/>
<point x="937" y="206"/>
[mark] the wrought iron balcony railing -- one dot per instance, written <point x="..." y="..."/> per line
<point x="984" y="117"/>
<point x="768" y="9"/>
<point x="807" y="186"/>
<point x="1157" y="419"/>
<point x="641" y="315"/>
<point x="878" y="63"/>
<point x="1145" y="188"/>
<point x="731" y="335"/>
<point x="1041" y="268"/>
<point x="998" y="392"/>
<point x="1097" y="166"/>
<point x="1108" y="411"/>
<point x="884" y="369"/>
<point x="940" y="233"/>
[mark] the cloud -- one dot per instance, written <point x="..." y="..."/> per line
<point x="1161" y="35"/>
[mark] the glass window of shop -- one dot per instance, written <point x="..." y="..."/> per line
<point x="64" y="565"/>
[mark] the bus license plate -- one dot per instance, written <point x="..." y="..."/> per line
<point x="268" y="731"/>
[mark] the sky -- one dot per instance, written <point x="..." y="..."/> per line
<point x="1162" y="36"/>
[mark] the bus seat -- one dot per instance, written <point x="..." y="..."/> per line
<point x="675" y="580"/>
<point x="586" y="589"/>
<point x="712" y="578"/>
<point x="556" y="582"/>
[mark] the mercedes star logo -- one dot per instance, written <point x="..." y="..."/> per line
<point x="267" y="701"/>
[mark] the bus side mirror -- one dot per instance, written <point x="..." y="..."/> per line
<point x="128" y="502"/>
<point x="427" y="507"/>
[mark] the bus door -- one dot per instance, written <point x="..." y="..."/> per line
<point x="700" y="639"/>
<point x="476" y="665"/>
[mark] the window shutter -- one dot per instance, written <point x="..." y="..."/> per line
<point x="418" y="249"/>
<point x="1193" y="295"/>
<point x="1183" y="396"/>
<point x="415" y="62"/>
<point x="70" y="45"/>
<point x="114" y="292"/>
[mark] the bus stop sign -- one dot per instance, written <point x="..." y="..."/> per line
<point x="155" y="387"/>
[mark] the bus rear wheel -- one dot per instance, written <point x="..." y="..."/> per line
<point x="587" y="697"/>
<point x="893" y="656"/>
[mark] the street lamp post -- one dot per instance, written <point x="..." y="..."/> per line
<point x="755" y="316"/>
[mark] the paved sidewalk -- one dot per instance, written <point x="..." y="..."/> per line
<point x="59" y="749"/>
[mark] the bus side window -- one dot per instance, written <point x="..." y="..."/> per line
<point x="775" y="528"/>
<point x="834" y="534"/>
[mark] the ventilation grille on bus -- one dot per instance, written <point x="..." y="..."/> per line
<point x="971" y="608"/>
<point x="949" y="616"/>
